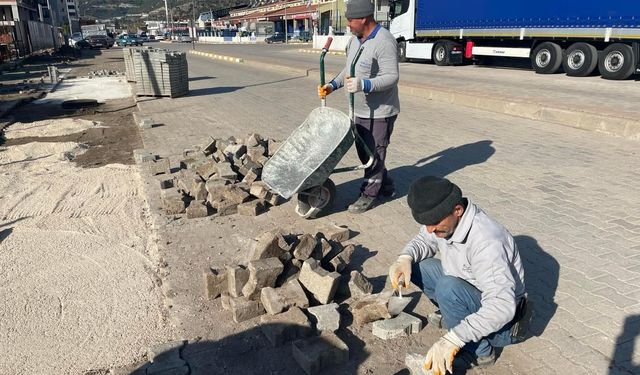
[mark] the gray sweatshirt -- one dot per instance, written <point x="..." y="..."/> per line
<point x="378" y="68"/>
<point x="482" y="252"/>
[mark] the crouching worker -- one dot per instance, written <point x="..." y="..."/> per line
<point x="477" y="284"/>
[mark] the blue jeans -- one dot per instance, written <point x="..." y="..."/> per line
<point x="456" y="299"/>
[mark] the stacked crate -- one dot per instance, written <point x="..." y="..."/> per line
<point x="160" y="73"/>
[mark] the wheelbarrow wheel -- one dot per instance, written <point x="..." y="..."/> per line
<point x="311" y="202"/>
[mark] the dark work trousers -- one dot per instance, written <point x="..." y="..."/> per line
<point x="376" y="134"/>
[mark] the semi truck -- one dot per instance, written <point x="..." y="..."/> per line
<point x="578" y="37"/>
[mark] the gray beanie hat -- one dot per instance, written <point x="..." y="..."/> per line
<point x="358" y="8"/>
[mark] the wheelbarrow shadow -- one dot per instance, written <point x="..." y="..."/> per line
<point x="440" y="164"/>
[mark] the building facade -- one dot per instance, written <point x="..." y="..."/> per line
<point x="22" y="31"/>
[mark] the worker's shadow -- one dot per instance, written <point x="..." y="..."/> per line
<point x="541" y="273"/>
<point x="250" y="353"/>
<point x="622" y="361"/>
<point x="440" y="164"/>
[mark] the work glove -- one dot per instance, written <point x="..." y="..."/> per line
<point x="353" y="85"/>
<point x="401" y="268"/>
<point x="325" y="90"/>
<point x="440" y="357"/>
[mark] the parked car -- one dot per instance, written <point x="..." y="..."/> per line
<point x="81" y="44"/>
<point x="152" y="37"/>
<point x="128" y="40"/>
<point x="184" y="38"/>
<point x="143" y="37"/>
<point x="276" y="37"/>
<point x="110" y="41"/>
<point x="75" y="39"/>
<point x="98" y="41"/>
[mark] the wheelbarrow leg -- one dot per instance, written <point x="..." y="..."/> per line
<point x="311" y="202"/>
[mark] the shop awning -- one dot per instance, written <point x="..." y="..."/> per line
<point x="297" y="12"/>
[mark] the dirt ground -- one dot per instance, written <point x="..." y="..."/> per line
<point x="107" y="145"/>
<point x="80" y="280"/>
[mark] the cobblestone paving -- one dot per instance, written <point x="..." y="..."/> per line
<point x="567" y="196"/>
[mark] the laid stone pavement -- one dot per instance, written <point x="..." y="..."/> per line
<point x="566" y="195"/>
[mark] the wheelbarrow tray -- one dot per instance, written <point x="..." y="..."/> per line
<point x="310" y="154"/>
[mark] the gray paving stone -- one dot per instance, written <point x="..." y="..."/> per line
<point x="327" y="317"/>
<point x="285" y="327"/>
<point x="316" y="354"/>
<point x="400" y="326"/>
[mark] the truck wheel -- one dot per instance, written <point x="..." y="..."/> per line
<point x="617" y="62"/>
<point x="580" y="60"/>
<point x="402" y="52"/>
<point x="546" y="58"/>
<point x="441" y="54"/>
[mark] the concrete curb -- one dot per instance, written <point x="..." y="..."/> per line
<point x="610" y="125"/>
<point x="218" y="57"/>
<point x="338" y="53"/>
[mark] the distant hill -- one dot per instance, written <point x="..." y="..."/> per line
<point x="105" y="9"/>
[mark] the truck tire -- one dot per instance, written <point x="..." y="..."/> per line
<point x="546" y="58"/>
<point x="440" y="54"/>
<point x="580" y="60"/>
<point x="617" y="62"/>
<point x="402" y="52"/>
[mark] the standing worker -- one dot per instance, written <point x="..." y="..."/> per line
<point x="376" y="104"/>
<point x="478" y="282"/>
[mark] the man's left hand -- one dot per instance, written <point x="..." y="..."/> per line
<point x="440" y="357"/>
<point x="354" y="84"/>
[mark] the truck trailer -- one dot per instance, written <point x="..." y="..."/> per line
<point x="577" y="36"/>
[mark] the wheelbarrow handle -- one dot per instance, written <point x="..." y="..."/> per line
<point x="325" y="49"/>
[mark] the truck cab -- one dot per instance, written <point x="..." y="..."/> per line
<point x="402" y="25"/>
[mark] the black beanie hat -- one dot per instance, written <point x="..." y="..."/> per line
<point x="432" y="198"/>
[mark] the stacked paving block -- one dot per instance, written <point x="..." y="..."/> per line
<point x="160" y="72"/>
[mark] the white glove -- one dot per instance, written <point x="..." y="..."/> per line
<point x="440" y="357"/>
<point x="402" y="267"/>
<point x="353" y="85"/>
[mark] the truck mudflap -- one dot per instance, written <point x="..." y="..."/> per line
<point x="636" y="52"/>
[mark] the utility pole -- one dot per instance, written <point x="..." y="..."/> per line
<point x="286" y="29"/>
<point x="193" y="24"/>
<point x="166" y="12"/>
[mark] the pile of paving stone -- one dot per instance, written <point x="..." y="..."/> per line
<point x="221" y="177"/>
<point x="291" y="282"/>
<point x="104" y="73"/>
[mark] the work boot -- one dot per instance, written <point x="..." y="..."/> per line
<point x="435" y="319"/>
<point x="465" y="360"/>
<point x="361" y="205"/>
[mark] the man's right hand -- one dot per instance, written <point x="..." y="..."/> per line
<point x="402" y="267"/>
<point x="325" y="90"/>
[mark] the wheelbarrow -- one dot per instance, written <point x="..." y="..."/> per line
<point x="303" y="163"/>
